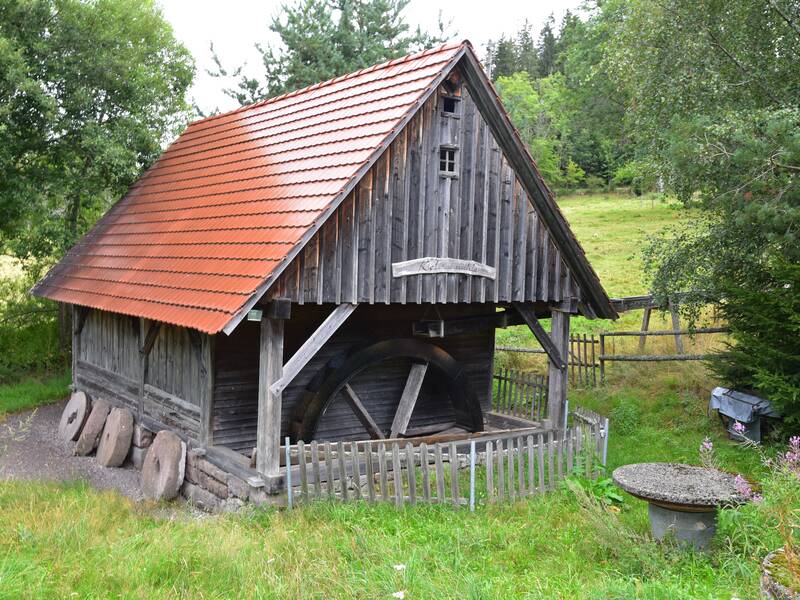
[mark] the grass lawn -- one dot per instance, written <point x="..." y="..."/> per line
<point x="57" y="541"/>
<point x="33" y="392"/>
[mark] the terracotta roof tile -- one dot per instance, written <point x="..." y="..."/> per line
<point x="210" y="221"/>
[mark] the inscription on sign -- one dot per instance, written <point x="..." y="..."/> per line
<point x="432" y="265"/>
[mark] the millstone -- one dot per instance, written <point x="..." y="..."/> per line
<point x="116" y="439"/>
<point x="73" y="417"/>
<point x="93" y="429"/>
<point x="164" y="467"/>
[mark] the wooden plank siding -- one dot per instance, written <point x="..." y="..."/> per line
<point x="179" y="371"/>
<point x="405" y="209"/>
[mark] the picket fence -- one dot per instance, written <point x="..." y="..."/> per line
<point x="486" y="468"/>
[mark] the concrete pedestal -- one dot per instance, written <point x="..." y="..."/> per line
<point x="694" y="529"/>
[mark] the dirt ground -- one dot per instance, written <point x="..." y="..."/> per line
<point x="30" y="449"/>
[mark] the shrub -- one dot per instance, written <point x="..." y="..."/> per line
<point x="764" y="317"/>
<point x="625" y="417"/>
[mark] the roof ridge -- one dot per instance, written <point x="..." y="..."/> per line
<point x="384" y="65"/>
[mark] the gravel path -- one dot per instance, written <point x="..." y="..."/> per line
<point x="30" y="449"/>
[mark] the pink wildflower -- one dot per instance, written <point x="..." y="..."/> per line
<point x="739" y="428"/>
<point x="744" y="489"/>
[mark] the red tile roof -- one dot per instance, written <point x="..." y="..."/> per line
<point x="195" y="238"/>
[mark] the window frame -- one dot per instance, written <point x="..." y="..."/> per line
<point x="445" y="148"/>
<point x="456" y="100"/>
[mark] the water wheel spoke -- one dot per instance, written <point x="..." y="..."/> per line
<point x="409" y="399"/>
<point x="361" y="412"/>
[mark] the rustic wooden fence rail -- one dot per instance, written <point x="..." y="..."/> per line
<point x="582" y="364"/>
<point x="605" y="356"/>
<point x="461" y="473"/>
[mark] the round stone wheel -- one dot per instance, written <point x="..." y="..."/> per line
<point x="164" y="467"/>
<point x="74" y="416"/>
<point x="93" y="429"/>
<point x="116" y="439"/>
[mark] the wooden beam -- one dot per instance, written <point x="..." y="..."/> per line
<point x="444" y="328"/>
<point x="80" y="313"/>
<point x="312" y="345"/>
<point x="206" y="388"/>
<point x="409" y="399"/>
<point x="557" y="377"/>
<point x="148" y="332"/>
<point x="676" y="326"/>
<point x="432" y="264"/>
<point x="279" y="308"/>
<point x="361" y="413"/>
<point x="270" y="367"/>
<point x="645" y="327"/>
<point x="554" y="353"/>
<point x="79" y="316"/>
<point x="150" y="338"/>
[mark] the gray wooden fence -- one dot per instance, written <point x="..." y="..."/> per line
<point x="486" y="469"/>
<point x="520" y="394"/>
<point x="583" y="363"/>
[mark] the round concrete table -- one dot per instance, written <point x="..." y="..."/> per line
<point x="683" y="499"/>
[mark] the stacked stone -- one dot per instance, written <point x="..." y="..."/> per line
<point x="142" y="440"/>
<point x="211" y="488"/>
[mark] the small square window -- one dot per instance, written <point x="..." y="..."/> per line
<point x="450" y="105"/>
<point x="447" y="161"/>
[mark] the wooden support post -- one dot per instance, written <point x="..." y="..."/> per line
<point x="557" y="373"/>
<point x="645" y="327"/>
<point x="148" y="332"/>
<point x="79" y="315"/>
<point x="602" y="358"/>
<point x="270" y="368"/>
<point x="676" y="327"/>
<point x="206" y="389"/>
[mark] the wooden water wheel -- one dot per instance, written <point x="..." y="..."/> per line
<point x="426" y="363"/>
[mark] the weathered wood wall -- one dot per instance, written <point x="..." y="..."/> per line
<point x="405" y="209"/>
<point x="236" y="380"/>
<point x="177" y="376"/>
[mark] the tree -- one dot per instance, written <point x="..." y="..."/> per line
<point x="322" y="39"/>
<point x="527" y="54"/>
<point x="537" y="111"/>
<point x="713" y="107"/>
<point x="599" y="140"/>
<point x="548" y="48"/>
<point x="89" y="92"/>
<point x="503" y="58"/>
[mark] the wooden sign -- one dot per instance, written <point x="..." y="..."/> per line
<point x="434" y="265"/>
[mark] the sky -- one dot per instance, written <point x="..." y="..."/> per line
<point x="234" y="26"/>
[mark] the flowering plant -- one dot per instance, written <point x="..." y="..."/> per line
<point x="777" y="502"/>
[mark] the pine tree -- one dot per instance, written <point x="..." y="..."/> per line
<point x="504" y="59"/>
<point x="527" y="55"/>
<point x="548" y="49"/>
<point x="322" y="39"/>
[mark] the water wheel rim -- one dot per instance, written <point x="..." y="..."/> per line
<point x="308" y="414"/>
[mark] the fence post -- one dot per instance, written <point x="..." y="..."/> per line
<point x="472" y="476"/>
<point x="602" y="359"/>
<point x="566" y="415"/>
<point x="605" y="441"/>
<point x="288" y="472"/>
